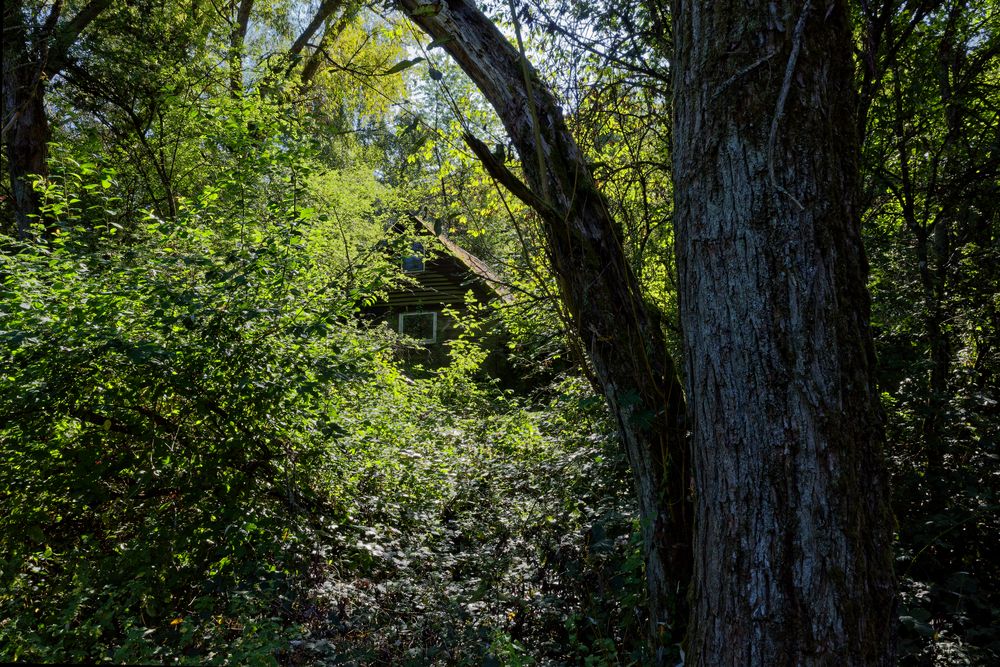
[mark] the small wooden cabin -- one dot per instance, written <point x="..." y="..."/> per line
<point x="442" y="273"/>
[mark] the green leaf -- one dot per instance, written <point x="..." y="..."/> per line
<point x="402" y="65"/>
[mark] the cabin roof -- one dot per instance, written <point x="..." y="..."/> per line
<point x="475" y="265"/>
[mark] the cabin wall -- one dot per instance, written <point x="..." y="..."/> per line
<point x="442" y="284"/>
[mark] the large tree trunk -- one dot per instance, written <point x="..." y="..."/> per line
<point x="25" y="125"/>
<point x="31" y="56"/>
<point x="792" y="525"/>
<point x="621" y="333"/>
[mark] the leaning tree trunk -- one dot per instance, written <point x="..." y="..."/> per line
<point x="621" y="333"/>
<point x="792" y="524"/>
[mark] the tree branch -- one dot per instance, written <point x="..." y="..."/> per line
<point x="322" y="14"/>
<point x="67" y="35"/>
<point x="503" y="175"/>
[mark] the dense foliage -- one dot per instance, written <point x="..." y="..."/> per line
<point x="210" y="454"/>
<point x="933" y="177"/>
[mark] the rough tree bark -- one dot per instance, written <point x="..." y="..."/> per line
<point x="621" y="333"/>
<point x="31" y="56"/>
<point x="792" y="524"/>
<point x="25" y="125"/>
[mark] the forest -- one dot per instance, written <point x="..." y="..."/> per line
<point x="518" y="332"/>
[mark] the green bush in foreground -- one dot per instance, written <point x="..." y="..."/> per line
<point x="204" y="459"/>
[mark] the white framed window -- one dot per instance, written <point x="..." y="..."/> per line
<point x="422" y="326"/>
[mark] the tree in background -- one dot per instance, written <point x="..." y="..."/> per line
<point x="35" y="49"/>
<point x="932" y="151"/>
<point x="930" y="115"/>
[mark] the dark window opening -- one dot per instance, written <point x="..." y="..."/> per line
<point x="422" y="326"/>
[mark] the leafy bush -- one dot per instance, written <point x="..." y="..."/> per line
<point x="166" y="449"/>
<point x="205" y="459"/>
<point x="485" y="532"/>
